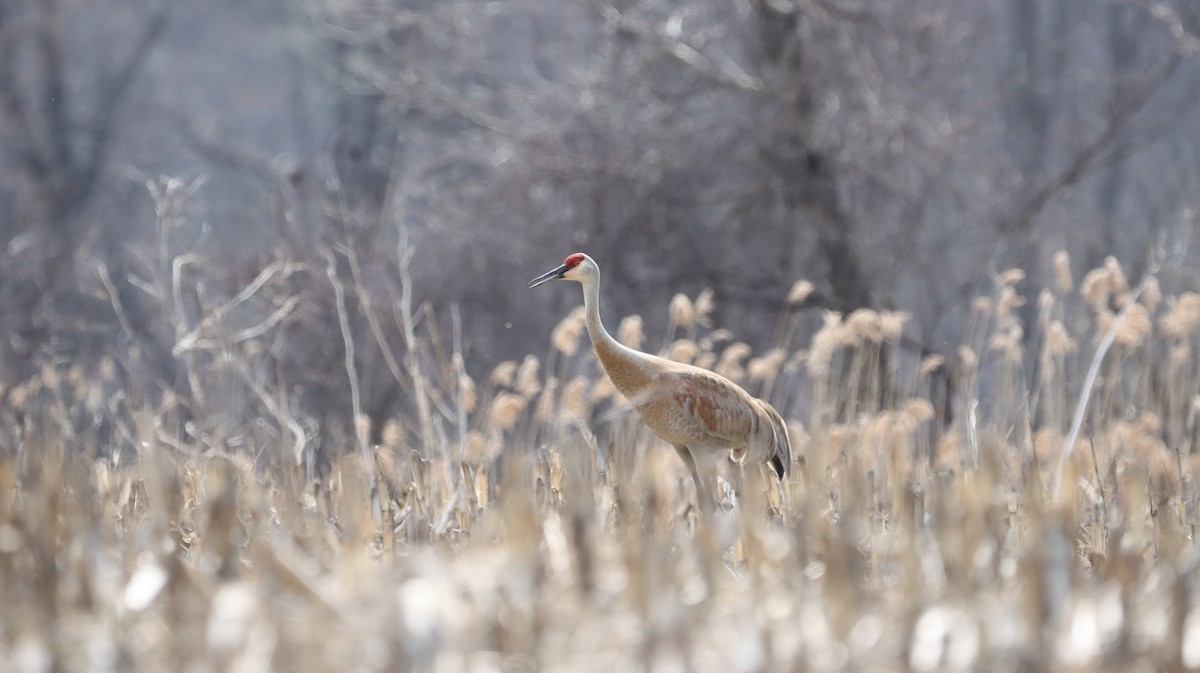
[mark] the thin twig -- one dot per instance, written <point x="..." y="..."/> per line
<point x="339" y="292"/>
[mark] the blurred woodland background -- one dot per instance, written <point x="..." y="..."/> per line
<point x="274" y="394"/>
<point x="178" y="179"/>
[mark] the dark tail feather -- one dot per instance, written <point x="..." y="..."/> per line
<point x="776" y="464"/>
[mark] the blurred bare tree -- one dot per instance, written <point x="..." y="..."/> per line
<point x="66" y="68"/>
<point x="741" y="146"/>
<point x="436" y="154"/>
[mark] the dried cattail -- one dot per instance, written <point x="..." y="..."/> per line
<point x="1134" y="326"/>
<point x="466" y="386"/>
<point x="93" y="399"/>
<point x="392" y="435"/>
<point x="919" y="410"/>
<point x="506" y="409"/>
<point x="1047" y="443"/>
<point x="362" y="425"/>
<point x="1058" y="341"/>
<point x="547" y="402"/>
<point x="630" y="333"/>
<point x="1182" y="317"/>
<point x="982" y="305"/>
<point x="1008" y="343"/>
<point x="1103" y="320"/>
<point x="528" y="383"/>
<point x="477" y="448"/>
<point x="504" y="374"/>
<point x="49" y="377"/>
<point x="946" y="451"/>
<point x="730" y="364"/>
<point x="107" y="369"/>
<point x="574" y="405"/>
<point x="1045" y="305"/>
<point x="705" y="360"/>
<point x="930" y="364"/>
<point x="704" y="306"/>
<point x="1007" y="300"/>
<point x="602" y="389"/>
<point x="682" y="350"/>
<point x="1096" y="287"/>
<point x="1152" y="295"/>
<point x="799" y="437"/>
<point x="967" y="358"/>
<point x="1062" y="271"/>
<point x="720" y="335"/>
<point x="800" y="291"/>
<point x="683" y="314"/>
<point x="251" y="349"/>
<point x="565" y="337"/>
<point x="767" y="367"/>
<point x="1116" y="277"/>
<point x="891" y="324"/>
<point x="796" y="361"/>
<point x="863" y="325"/>
<point x="825" y="343"/>
<point x="1012" y="276"/>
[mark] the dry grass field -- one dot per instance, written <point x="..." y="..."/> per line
<point x="939" y="517"/>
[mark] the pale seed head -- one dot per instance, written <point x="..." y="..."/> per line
<point x="565" y="337"/>
<point x="574" y="406"/>
<point x="930" y="364"/>
<point x="1096" y="287"/>
<point x="362" y="425"/>
<point x="1062" y="271"/>
<point x="1182" y="317"/>
<point x="504" y="374"/>
<point x="919" y="410"/>
<point x="1134" y="326"/>
<point x="1058" y="341"/>
<point x="1012" y="276"/>
<point x="683" y="314"/>
<point x="825" y="343"/>
<point x="392" y="435"/>
<point x="891" y="324"/>
<point x="800" y="291"/>
<point x="767" y="367"/>
<point x="528" y="383"/>
<point x="682" y="350"/>
<point x="704" y="306"/>
<point x="547" y="401"/>
<point x="863" y="325"/>
<point x="1152" y="295"/>
<point x="630" y="333"/>
<point x="730" y="364"/>
<point x="967" y="358"/>
<point x="466" y="387"/>
<point x="602" y="389"/>
<point x="1116" y="276"/>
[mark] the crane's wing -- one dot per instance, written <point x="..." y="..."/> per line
<point x="698" y="408"/>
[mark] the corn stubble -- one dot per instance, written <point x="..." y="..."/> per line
<point x="920" y="531"/>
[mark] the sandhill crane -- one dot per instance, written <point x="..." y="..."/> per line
<point x="698" y="412"/>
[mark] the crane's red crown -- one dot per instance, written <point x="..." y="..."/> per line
<point x="573" y="261"/>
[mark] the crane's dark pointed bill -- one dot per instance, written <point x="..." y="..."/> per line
<point x="549" y="276"/>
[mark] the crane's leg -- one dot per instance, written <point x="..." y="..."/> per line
<point x="705" y="500"/>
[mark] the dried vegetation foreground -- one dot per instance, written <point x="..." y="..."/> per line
<point x="934" y="522"/>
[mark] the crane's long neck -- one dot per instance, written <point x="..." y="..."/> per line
<point x="628" y="369"/>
